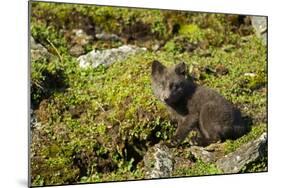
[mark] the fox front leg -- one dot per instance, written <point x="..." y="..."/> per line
<point x="184" y="127"/>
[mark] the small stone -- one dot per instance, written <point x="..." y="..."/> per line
<point x="106" y="36"/>
<point x="221" y="70"/>
<point x="79" y="37"/>
<point x="76" y="50"/>
<point x="250" y="74"/>
<point x="203" y="154"/>
<point x="155" y="47"/>
<point x="38" y="50"/>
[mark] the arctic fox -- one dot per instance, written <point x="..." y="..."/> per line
<point x="195" y="107"/>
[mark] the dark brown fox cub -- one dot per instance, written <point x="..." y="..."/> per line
<point x="195" y="107"/>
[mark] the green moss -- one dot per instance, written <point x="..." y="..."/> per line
<point x="179" y="44"/>
<point x="192" y="32"/>
<point x="171" y="46"/>
<point x="198" y="169"/>
<point x="256" y="131"/>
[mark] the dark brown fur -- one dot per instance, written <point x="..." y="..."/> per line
<point x="195" y="107"/>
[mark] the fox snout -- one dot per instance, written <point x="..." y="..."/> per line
<point x="170" y="97"/>
<point x="169" y="100"/>
<point x="164" y="98"/>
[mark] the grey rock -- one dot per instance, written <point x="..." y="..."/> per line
<point x="158" y="162"/>
<point x="38" y="50"/>
<point x="79" y="37"/>
<point x="250" y="74"/>
<point x="246" y="154"/>
<point x="33" y="120"/>
<point x="260" y="25"/>
<point x="107" y="57"/>
<point x="208" y="154"/>
<point x="76" y="50"/>
<point x="107" y="36"/>
<point x="156" y="47"/>
<point x="203" y="154"/>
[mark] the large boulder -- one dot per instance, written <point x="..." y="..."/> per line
<point x="243" y="156"/>
<point x="158" y="162"/>
<point x="108" y="56"/>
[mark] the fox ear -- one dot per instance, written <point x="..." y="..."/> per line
<point x="157" y="67"/>
<point x="180" y="68"/>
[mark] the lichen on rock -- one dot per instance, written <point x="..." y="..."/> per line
<point x="107" y="57"/>
<point x="158" y="162"/>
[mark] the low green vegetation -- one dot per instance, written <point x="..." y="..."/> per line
<point x="256" y="131"/>
<point x="199" y="168"/>
<point x="97" y="123"/>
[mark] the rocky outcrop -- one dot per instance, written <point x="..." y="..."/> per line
<point x="107" y="57"/>
<point x="160" y="160"/>
<point x="243" y="156"/>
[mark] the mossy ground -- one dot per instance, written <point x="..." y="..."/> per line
<point x="97" y="123"/>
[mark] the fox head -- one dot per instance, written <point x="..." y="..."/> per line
<point x="169" y="84"/>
